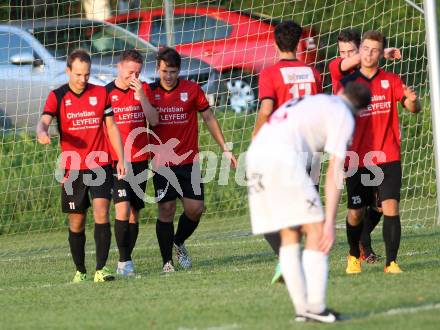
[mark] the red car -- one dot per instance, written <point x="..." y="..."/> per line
<point x="237" y="44"/>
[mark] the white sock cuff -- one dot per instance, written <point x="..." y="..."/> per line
<point x="295" y="248"/>
<point x="315" y="255"/>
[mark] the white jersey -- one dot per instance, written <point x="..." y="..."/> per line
<point x="281" y="192"/>
<point x="308" y="125"/>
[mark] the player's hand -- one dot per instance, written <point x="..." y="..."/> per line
<point x="43" y="138"/>
<point x="121" y="170"/>
<point x="409" y="93"/>
<point x="328" y="237"/>
<point x="231" y="158"/>
<point x="136" y="85"/>
<point x="392" y="54"/>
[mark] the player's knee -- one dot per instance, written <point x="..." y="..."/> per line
<point x="354" y="216"/>
<point x="195" y="213"/>
<point x="77" y="222"/>
<point x="100" y="214"/>
<point x="167" y="210"/>
<point x="122" y="210"/>
<point x="77" y="227"/>
<point x="390" y="207"/>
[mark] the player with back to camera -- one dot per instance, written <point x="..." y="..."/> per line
<point x="283" y="197"/>
<point x="288" y="78"/>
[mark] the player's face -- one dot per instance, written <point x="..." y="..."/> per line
<point x="371" y="52"/>
<point x="347" y="49"/>
<point x="127" y="71"/>
<point x="168" y="75"/>
<point x="78" y="75"/>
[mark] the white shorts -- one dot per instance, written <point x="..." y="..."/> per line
<point x="281" y="193"/>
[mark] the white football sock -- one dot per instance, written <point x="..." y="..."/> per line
<point x="315" y="265"/>
<point x="291" y="268"/>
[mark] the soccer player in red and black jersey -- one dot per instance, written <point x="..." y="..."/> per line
<point x="288" y="78"/>
<point x="132" y="113"/>
<point x="174" y="143"/>
<point x="348" y="61"/>
<point x="81" y="110"/>
<point x="349" y="58"/>
<point x="376" y="147"/>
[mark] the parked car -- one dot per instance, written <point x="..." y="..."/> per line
<point x="33" y="60"/>
<point x="237" y="44"/>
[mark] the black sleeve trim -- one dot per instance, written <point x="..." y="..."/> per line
<point x="267" y="98"/>
<point x="154" y="85"/>
<point x="59" y="94"/>
<point x="403" y="100"/>
<point x="204" y="109"/>
<point x="110" y="113"/>
<point x="48" y="113"/>
<point x="351" y="77"/>
<point x="110" y="86"/>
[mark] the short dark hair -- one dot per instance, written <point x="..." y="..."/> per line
<point x="287" y="35"/>
<point x="376" y="36"/>
<point x="80" y="54"/>
<point x="358" y="94"/>
<point x="350" y="36"/>
<point x="132" y="55"/>
<point x="170" y="56"/>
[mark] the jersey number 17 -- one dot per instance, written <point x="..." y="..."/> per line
<point x="300" y="89"/>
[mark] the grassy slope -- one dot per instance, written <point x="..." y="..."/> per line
<point x="227" y="288"/>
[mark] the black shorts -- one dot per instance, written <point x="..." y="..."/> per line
<point x="77" y="185"/>
<point x="368" y="193"/>
<point x="132" y="187"/>
<point x="171" y="182"/>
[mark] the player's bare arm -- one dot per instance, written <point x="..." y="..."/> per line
<point x="350" y="63"/>
<point x="412" y="101"/>
<point x="266" y="109"/>
<point x="116" y="142"/>
<point x="150" y="112"/>
<point x="333" y="189"/>
<point x="216" y="132"/>
<point x="43" y="136"/>
<point x="392" y="53"/>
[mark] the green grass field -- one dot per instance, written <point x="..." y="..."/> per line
<point x="227" y="288"/>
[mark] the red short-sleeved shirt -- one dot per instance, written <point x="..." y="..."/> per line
<point x="377" y="127"/>
<point x="177" y="130"/>
<point x="80" y="119"/>
<point x="128" y="114"/>
<point x="288" y="79"/>
<point x="337" y="74"/>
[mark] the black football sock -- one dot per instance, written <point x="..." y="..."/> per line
<point x="122" y="239"/>
<point x="370" y="221"/>
<point x="133" y="230"/>
<point x="274" y="240"/>
<point x="391" y="236"/>
<point x="102" y="243"/>
<point x="353" y="237"/>
<point x="77" y="242"/>
<point x="185" y="228"/>
<point x="165" y="238"/>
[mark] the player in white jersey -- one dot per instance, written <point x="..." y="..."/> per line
<point x="282" y="196"/>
